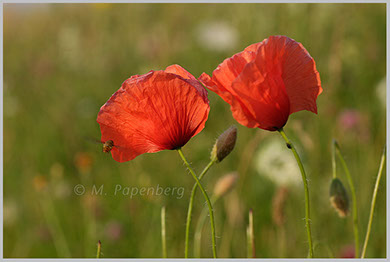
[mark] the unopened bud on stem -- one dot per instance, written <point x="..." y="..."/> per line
<point x="224" y="144"/>
<point x="339" y="197"/>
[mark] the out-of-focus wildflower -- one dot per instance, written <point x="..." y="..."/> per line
<point x="113" y="230"/>
<point x="349" y="119"/>
<point x="278" y="205"/>
<point x="225" y="184"/>
<point x="347" y="252"/>
<point x="83" y="162"/>
<point x="40" y="183"/>
<point x="217" y="36"/>
<point x="10" y="212"/>
<point x="352" y="121"/>
<point x="277" y="164"/>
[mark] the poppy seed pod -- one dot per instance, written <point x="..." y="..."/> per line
<point x="339" y="197"/>
<point x="224" y="144"/>
<point x="225" y="184"/>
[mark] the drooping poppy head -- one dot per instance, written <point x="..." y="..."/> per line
<point x="152" y="112"/>
<point x="267" y="82"/>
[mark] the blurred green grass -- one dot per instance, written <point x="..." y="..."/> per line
<point x="63" y="61"/>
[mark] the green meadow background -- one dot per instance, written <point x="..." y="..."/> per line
<point x="62" y="62"/>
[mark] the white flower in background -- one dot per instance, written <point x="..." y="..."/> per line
<point x="381" y="92"/>
<point x="217" y="36"/>
<point x="275" y="161"/>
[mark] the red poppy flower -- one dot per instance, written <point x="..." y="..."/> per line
<point x="267" y="82"/>
<point x="152" y="112"/>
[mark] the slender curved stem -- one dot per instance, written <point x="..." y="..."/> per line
<point x="353" y="194"/>
<point x="207" y="200"/>
<point x="163" y="234"/>
<point x="99" y="249"/>
<point x="251" y="237"/>
<point x="307" y="200"/>
<point x="199" y="227"/>
<point x="190" y="206"/>
<point x="334" y="159"/>
<point x="373" y="201"/>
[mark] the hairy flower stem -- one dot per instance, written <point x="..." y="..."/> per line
<point x="373" y="201"/>
<point x="199" y="227"/>
<point x="208" y="204"/>
<point x="190" y="206"/>
<point x="307" y="201"/>
<point x="353" y="194"/>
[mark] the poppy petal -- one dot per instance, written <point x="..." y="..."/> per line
<point x="238" y="107"/>
<point x="299" y="73"/>
<point x="152" y="112"/>
<point x="267" y="82"/>
<point x="261" y="87"/>
<point x="180" y="71"/>
<point x="228" y="70"/>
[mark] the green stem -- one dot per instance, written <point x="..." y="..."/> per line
<point x="207" y="200"/>
<point x="99" y="249"/>
<point x="334" y="159"/>
<point x="190" y="207"/>
<point x="251" y="237"/>
<point x="163" y="235"/>
<point x="199" y="227"/>
<point x="304" y="179"/>
<point x="353" y="194"/>
<point x="373" y="202"/>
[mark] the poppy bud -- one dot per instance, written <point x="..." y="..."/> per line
<point x="339" y="197"/>
<point x="225" y="184"/>
<point x="225" y="144"/>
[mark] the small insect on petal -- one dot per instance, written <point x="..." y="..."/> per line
<point x="107" y="146"/>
